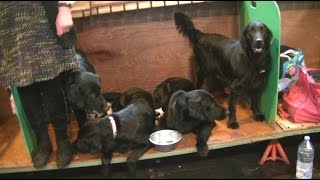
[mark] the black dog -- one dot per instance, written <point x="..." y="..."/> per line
<point x="194" y="111"/>
<point x="127" y="129"/>
<point x="165" y="89"/>
<point x="241" y="65"/>
<point x="83" y="90"/>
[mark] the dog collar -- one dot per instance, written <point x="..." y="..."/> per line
<point x="114" y="127"/>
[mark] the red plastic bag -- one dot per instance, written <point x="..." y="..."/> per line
<point x="302" y="101"/>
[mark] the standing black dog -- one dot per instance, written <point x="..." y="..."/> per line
<point x="126" y="129"/>
<point x="241" y="65"/>
<point x="83" y="90"/>
<point x="194" y="111"/>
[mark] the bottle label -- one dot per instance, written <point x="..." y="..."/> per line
<point x="304" y="170"/>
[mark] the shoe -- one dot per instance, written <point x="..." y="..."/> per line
<point x="41" y="155"/>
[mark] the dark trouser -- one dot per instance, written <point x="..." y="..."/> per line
<point x="44" y="103"/>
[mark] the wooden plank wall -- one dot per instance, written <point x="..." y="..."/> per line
<point x="300" y="24"/>
<point x="142" y="47"/>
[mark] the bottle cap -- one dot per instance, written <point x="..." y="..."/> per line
<point x="307" y="138"/>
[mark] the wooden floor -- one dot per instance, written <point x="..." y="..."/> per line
<point x="14" y="156"/>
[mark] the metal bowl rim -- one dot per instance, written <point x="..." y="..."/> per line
<point x="174" y="142"/>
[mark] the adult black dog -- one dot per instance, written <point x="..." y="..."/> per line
<point x="165" y="89"/>
<point x="194" y="111"/>
<point x="83" y="90"/>
<point x="241" y="65"/>
<point x="126" y="129"/>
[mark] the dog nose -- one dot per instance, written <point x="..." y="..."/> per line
<point x="259" y="41"/>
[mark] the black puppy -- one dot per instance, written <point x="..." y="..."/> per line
<point x="165" y="89"/>
<point x="194" y="111"/>
<point x="83" y="90"/>
<point x="127" y="129"/>
<point x="241" y="65"/>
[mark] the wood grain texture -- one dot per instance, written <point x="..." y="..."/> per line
<point x="300" y="28"/>
<point x="145" y="54"/>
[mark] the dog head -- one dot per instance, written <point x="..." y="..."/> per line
<point x="197" y="104"/>
<point x="201" y="105"/>
<point x="89" y="138"/>
<point x="256" y="38"/>
<point x="85" y="93"/>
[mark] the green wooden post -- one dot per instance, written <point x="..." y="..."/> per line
<point x="25" y="127"/>
<point x="267" y="12"/>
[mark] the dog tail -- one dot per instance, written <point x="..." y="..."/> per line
<point x="185" y="26"/>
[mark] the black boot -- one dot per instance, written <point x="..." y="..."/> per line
<point x="56" y="109"/>
<point x="64" y="149"/>
<point x="31" y="100"/>
<point x="41" y="154"/>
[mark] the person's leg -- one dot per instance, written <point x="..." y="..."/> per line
<point x="32" y="104"/>
<point x="56" y="109"/>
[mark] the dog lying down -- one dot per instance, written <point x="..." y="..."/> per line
<point x="124" y="130"/>
<point x="194" y="111"/>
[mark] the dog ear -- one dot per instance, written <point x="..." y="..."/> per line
<point x="176" y="109"/>
<point x="178" y="100"/>
<point x="268" y="35"/>
<point x="74" y="96"/>
<point x="243" y="39"/>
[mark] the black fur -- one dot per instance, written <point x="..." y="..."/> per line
<point x="166" y="88"/>
<point x="241" y="65"/>
<point x="83" y="90"/>
<point x="135" y="122"/>
<point x="194" y="111"/>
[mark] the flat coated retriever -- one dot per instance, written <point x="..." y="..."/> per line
<point x="126" y="129"/>
<point x="241" y="65"/>
<point x="194" y="111"/>
<point x="83" y="90"/>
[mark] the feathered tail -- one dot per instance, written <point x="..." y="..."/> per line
<point x="185" y="26"/>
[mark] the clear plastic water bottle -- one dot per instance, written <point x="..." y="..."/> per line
<point x="305" y="157"/>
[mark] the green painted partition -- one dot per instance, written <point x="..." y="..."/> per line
<point x="25" y="127"/>
<point x="267" y="12"/>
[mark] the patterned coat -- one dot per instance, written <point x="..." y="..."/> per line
<point x="30" y="50"/>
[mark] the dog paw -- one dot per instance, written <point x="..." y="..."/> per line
<point x="259" y="117"/>
<point x="41" y="155"/>
<point x="233" y="125"/>
<point x="203" y="151"/>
